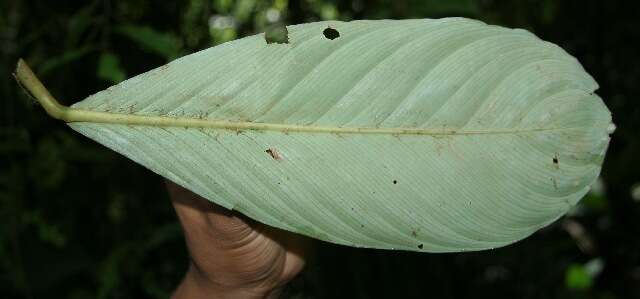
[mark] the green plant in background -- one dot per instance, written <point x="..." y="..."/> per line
<point x="166" y="45"/>
<point x="578" y="278"/>
<point x="109" y="68"/>
<point x="581" y="276"/>
<point x="302" y="132"/>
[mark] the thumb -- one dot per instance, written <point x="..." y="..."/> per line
<point x="207" y="219"/>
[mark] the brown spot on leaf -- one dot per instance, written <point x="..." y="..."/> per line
<point x="273" y="153"/>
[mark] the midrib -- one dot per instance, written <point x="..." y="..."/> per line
<point x="80" y="115"/>
<point x="26" y="77"/>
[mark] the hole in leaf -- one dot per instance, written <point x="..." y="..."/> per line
<point x="277" y="34"/>
<point x="331" y="33"/>
<point x="420" y="246"/>
<point x="555" y="160"/>
<point x="395" y="182"/>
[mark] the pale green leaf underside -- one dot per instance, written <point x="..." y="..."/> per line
<point x="429" y="135"/>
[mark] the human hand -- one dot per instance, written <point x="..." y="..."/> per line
<point x="232" y="256"/>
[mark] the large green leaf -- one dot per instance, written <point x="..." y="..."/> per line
<point x="427" y="135"/>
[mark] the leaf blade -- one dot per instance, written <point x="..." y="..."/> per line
<point x="429" y="135"/>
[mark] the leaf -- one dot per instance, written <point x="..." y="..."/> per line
<point x="164" y="44"/>
<point x="577" y="278"/>
<point x="427" y="135"/>
<point x="109" y="68"/>
<point x="67" y="57"/>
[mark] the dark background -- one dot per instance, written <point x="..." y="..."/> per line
<point x="79" y="221"/>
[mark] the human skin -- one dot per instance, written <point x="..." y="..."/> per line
<point x="231" y="255"/>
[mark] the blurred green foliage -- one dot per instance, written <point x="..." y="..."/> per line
<point x="164" y="44"/>
<point x="79" y="221"/>
<point x="577" y="277"/>
<point x="109" y="68"/>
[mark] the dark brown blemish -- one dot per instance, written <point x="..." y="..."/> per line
<point x="414" y="233"/>
<point x="273" y="153"/>
<point x="420" y="246"/>
<point x="331" y="33"/>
